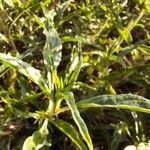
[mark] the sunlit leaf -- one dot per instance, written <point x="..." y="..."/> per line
<point x="61" y="9"/>
<point x="52" y="47"/>
<point x="73" y="69"/>
<point x="4" y="69"/>
<point x="38" y="138"/>
<point x="52" y="54"/>
<point x="1" y="6"/>
<point x="29" y="3"/>
<point x="10" y="3"/>
<point x="147" y="6"/>
<point x="124" y="32"/>
<point x="3" y="38"/>
<point x="70" y="131"/>
<point x="122" y="101"/>
<point x="25" y="69"/>
<point x="78" y="120"/>
<point x="81" y="84"/>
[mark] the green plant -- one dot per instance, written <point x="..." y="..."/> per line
<point x="38" y="93"/>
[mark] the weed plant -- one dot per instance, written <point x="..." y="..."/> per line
<point x="74" y="74"/>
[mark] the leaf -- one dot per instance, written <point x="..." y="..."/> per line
<point x="30" y="3"/>
<point x="25" y="69"/>
<point x="81" y="84"/>
<point x="52" y="54"/>
<point x="10" y="3"/>
<point x="3" y="38"/>
<point x="121" y="101"/>
<point x="38" y="138"/>
<point x="38" y="20"/>
<point x="124" y="32"/>
<point x="147" y="6"/>
<point x="52" y="47"/>
<point x="119" y="135"/>
<point x="4" y="69"/>
<point x="15" y="106"/>
<point x="70" y="131"/>
<point x="78" y="120"/>
<point x="1" y="6"/>
<point x="1" y="109"/>
<point x="141" y="1"/>
<point x="61" y="9"/>
<point x="74" y="68"/>
<point x="34" y="5"/>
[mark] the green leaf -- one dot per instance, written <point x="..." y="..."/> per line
<point x="81" y="84"/>
<point x="122" y="101"/>
<point x="124" y="32"/>
<point x="38" y="138"/>
<point x="3" y="38"/>
<point x="52" y="54"/>
<point x="1" y="6"/>
<point x="78" y="120"/>
<point x="38" y="20"/>
<point x="15" y="106"/>
<point x="1" y="109"/>
<point x="70" y="131"/>
<point x="4" y="69"/>
<point x="74" y="68"/>
<point x="61" y="9"/>
<point x="30" y="3"/>
<point x="141" y="1"/>
<point x="25" y="69"/>
<point x="52" y="47"/>
<point x="147" y="6"/>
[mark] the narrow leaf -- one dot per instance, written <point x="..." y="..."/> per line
<point x="70" y="131"/>
<point x="3" y="38"/>
<point x="75" y="66"/>
<point x="52" y="54"/>
<point x="78" y="120"/>
<point x="124" y="32"/>
<point x="25" y="69"/>
<point x="4" y="69"/>
<point x="52" y="47"/>
<point x="61" y="9"/>
<point x="122" y="101"/>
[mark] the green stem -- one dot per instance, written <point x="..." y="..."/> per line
<point x="51" y="107"/>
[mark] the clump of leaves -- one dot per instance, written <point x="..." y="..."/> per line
<point x="38" y="94"/>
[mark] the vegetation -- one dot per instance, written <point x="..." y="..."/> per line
<point x="74" y="74"/>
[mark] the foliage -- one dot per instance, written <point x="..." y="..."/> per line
<point x="67" y="68"/>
